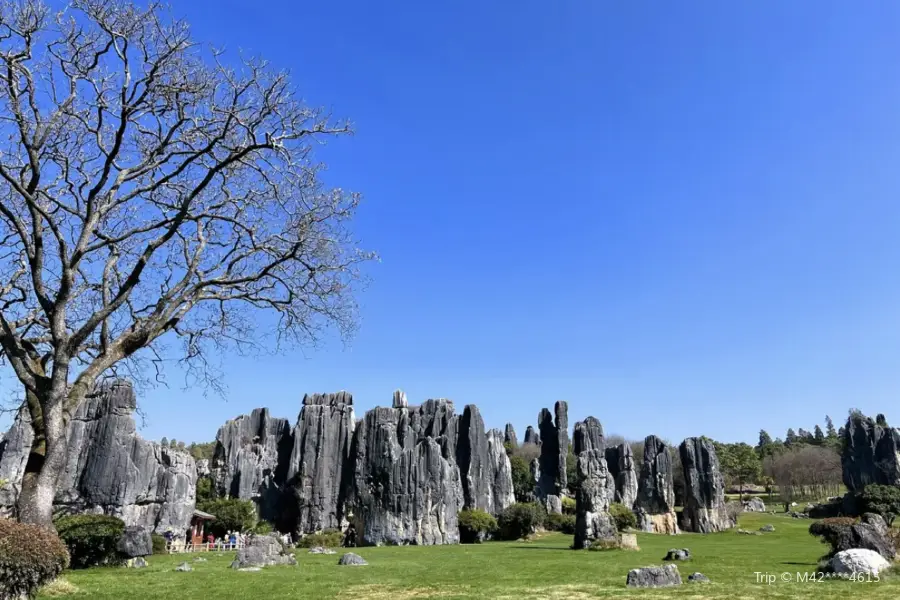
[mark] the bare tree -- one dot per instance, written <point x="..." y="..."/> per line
<point x="151" y="193"/>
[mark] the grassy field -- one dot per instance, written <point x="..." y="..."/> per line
<point x="541" y="569"/>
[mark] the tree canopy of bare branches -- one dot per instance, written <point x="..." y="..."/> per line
<point x="151" y="191"/>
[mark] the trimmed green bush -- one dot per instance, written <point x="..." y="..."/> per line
<point x="521" y="520"/>
<point x="232" y="514"/>
<point x="883" y="500"/>
<point x="330" y="538"/>
<point x="562" y="523"/>
<point x="91" y="539"/>
<point x="475" y="526"/>
<point x="159" y="543"/>
<point x="568" y="505"/>
<point x="263" y="528"/>
<point x="623" y="516"/>
<point x="30" y="557"/>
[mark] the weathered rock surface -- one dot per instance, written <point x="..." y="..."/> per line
<point x="654" y="577"/>
<point x="321" y="550"/>
<point x="501" y="472"/>
<point x="871" y="453"/>
<point x="655" y="503"/>
<point x="110" y="469"/>
<point x="476" y="470"/>
<point x="203" y="468"/>
<point x="767" y="528"/>
<point x="754" y="505"/>
<point x="184" y="568"/>
<point x="592" y="519"/>
<point x="588" y="435"/>
<point x="406" y="487"/>
<point x="509" y="436"/>
<point x="620" y="462"/>
<point x="400" y="400"/>
<point x="15" y="446"/>
<point x="628" y="541"/>
<point x="353" y="560"/>
<point x="262" y="551"/>
<point x="135" y="541"/>
<point x="531" y="436"/>
<point x="704" y="507"/>
<point x="698" y="578"/>
<point x="858" y="562"/>
<point x="251" y="460"/>
<point x="318" y="474"/>
<point x="554" y="431"/>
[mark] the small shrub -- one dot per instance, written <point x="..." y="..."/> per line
<point x="159" y="543"/>
<point x="834" y="531"/>
<point x="330" y="538"/>
<point x="91" y="539"/>
<point x="562" y="523"/>
<point x="883" y="500"/>
<point x="475" y="525"/>
<point x="30" y="557"/>
<point x="521" y="520"/>
<point x="568" y="505"/>
<point x="263" y="528"/>
<point x="622" y="516"/>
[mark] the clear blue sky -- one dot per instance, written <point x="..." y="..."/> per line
<point x="681" y="218"/>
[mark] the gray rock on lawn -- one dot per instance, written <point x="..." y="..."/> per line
<point x="767" y="528"/>
<point x="553" y="505"/>
<point x="628" y="541"/>
<point x="857" y="561"/>
<point x="353" y="560"/>
<point x="678" y="554"/>
<point x="321" y="550"/>
<point x="698" y="578"/>
<point x="754" y="505"/>
<point x="654" y="577"/>
<point x="705" y="510"/>
<point x="184" y="568"/>
<point x="135" y="541"/>
<point x="262" y="551"/>
<point x="870" y="534"/>
<point x="250" y="570"/>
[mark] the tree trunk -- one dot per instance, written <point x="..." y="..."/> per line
<point x="46" y="460"/>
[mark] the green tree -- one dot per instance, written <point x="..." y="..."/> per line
<point x="232" y="514"/>
<point x="790" y="438"/>
<point x="739" y="462"/>
<point x="830" y="431"/>
<point x="523" y="482"/>
<point x="206" y="491"/>
<point x="202" y="451"/>
<point x="819" y="435"/>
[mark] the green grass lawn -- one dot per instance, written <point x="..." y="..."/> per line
<point x="541" y="569"/>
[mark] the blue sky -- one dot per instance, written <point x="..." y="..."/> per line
<point x="681" y="218"/>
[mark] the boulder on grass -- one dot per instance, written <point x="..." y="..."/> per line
<point x="698" y="578"/>
<point x="628" y="541"/>
<point x="857" y="562"/>
<point x="321" y="550"/>
<point x="755" y="505"/>
<point x="767" y="528"/>
<point x="654" y="577"/>
<point x="353" y="560"/>
<point x="678" y="554"/>
<point x="184" y="567"/>
<point x="262" y="551"/>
